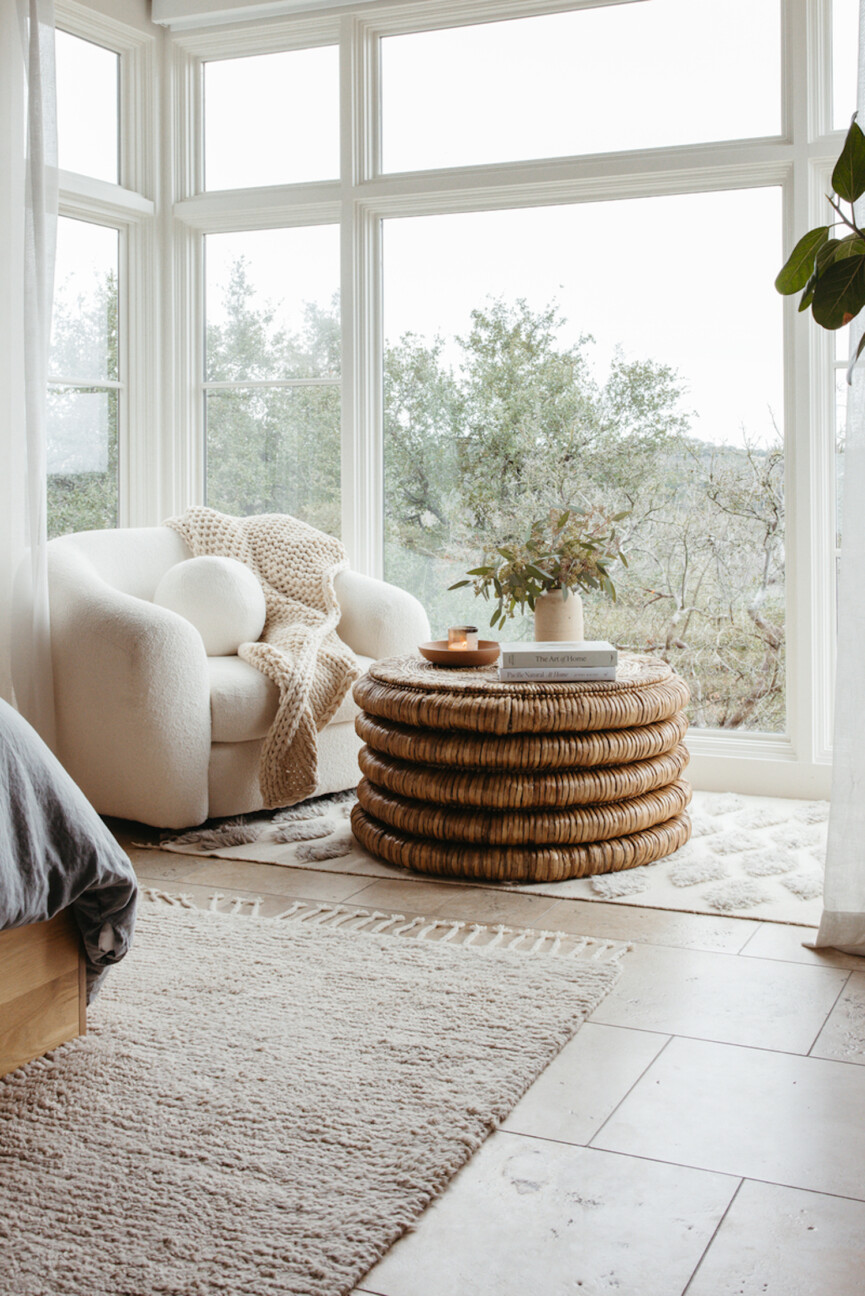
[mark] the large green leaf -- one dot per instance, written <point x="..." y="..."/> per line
<point x="852" y="245"/>
<point x="800" y="263"/>
<point x="840" y="293"/>
<point x="848" y="178"/>
<point x="808" y="294"/>
<point x="826" y="255"/>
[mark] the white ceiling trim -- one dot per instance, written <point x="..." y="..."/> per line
<point x="182" y="15"/>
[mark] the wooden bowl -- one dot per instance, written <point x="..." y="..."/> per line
<point x="439" y="654"/>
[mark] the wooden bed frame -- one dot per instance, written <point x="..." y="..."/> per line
<point x="43" y="989"/>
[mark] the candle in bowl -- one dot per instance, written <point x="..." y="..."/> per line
<point x="463" y="638"/>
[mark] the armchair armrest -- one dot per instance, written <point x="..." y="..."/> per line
<point x="132" y="697"/>
<point x="378" y="619"/>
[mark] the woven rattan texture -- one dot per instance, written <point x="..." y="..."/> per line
<point x="410" y="691"/>
<point x="468" y="776"/>
<point x="519" y="863"/>
<point x="520" y="790"/>
<point x="527" y="752"/>
<point x="539" y="827"/>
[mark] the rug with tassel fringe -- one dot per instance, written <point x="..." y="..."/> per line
<point x="262" y="1106"/>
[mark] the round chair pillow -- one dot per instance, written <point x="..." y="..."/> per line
<point x="220" y="596"/>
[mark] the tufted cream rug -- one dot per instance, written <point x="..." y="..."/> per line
<point x="754" y="857"/>
<point x="261" y="1107"/>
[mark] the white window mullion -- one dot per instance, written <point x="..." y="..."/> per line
<point x="360" y="291"/>
<point x="181" y="278"/>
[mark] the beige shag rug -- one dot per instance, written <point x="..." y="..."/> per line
<point x="754" y="857"/>
<point x="262" y="1106"/>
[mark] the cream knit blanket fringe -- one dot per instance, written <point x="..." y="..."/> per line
<point x="299" y="648"/>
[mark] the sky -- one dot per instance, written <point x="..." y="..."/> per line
<point x="631" y="273"/>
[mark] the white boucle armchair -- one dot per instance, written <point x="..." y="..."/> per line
<point x="151" y="728"/>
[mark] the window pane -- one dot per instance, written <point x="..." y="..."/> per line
<point x="272" y="119"/>
<point x="275" y="450"/>
<point x="559" y="378"/>
<point x="82" y="416"/>
<point x="272" y="304"/>
<point x="625" y="76"/>
<point x="82" y="460"/>
<point x="84" y="320"/>
<point x="87" y="107"/>
<point x="273" y="321"/>
<point x="845" y="44"/>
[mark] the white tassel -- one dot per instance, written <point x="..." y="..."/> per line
<point x="379" y="922"/>
<point x="319" y="914"/>
<point x="292" y="910"/>
<point x="401" y="931"/>
<point x="431" y="926"/>
<point x="348" y="915"/>
<point x="517" y="940"/>
<point x="454" y="928"/>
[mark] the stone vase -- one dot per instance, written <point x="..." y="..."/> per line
<point x="558" y="619"/>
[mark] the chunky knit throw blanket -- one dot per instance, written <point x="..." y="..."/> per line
<point x="299" y="648"/>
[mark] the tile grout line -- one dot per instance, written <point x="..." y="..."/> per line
<point x="837" y="1000"/>
<point x="703" y="1039"/>
<point x="753" y="936"/>
<point x="711" y="1241"/>
<point x="643" y="1073"/>
<point x="702" y="1169"/>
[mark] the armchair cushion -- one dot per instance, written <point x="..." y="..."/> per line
<point x="220" y="596"/>
<point x="244" y="702"/>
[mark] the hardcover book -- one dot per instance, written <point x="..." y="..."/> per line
<point x="591" y="652"/>
<point x="556" y="674"/>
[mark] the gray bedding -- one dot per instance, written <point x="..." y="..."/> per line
<point x="55" y="851"/>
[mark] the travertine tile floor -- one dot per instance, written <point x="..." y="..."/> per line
<point x="704" y="1133"/>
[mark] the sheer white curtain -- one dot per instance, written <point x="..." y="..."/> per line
<point x="28" y="226"/>
<point x="843" y="922"/>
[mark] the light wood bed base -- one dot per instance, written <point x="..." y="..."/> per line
<point x="43" y="989"/>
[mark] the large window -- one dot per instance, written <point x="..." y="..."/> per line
<point x="558" y="233"/>
<point x="104" y="385"/>
<point x="560" y="379"/>
<point x="84" y="366"/>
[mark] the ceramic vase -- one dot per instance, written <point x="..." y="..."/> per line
<point x="557" y="618"/>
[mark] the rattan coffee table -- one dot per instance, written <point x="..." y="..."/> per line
<point x="468" y="776"/>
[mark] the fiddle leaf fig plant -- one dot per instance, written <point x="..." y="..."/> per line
<point x="568" y="550"/>
<point x="830" y="271"/>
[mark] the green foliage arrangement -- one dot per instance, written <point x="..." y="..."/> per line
<point x="830" y="272"/>
<point x="568" y="550"/>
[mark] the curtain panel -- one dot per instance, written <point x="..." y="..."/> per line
<point x="28" y="227"/>
<point x="843" y="922"/>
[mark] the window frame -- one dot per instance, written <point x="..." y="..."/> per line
<point x="797" y="160"/>
<point x="129" y="207"/>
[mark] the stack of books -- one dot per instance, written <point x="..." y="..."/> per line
<point x="558" y="662"/>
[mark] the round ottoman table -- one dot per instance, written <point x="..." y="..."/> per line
<point x="510" y="782"/>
